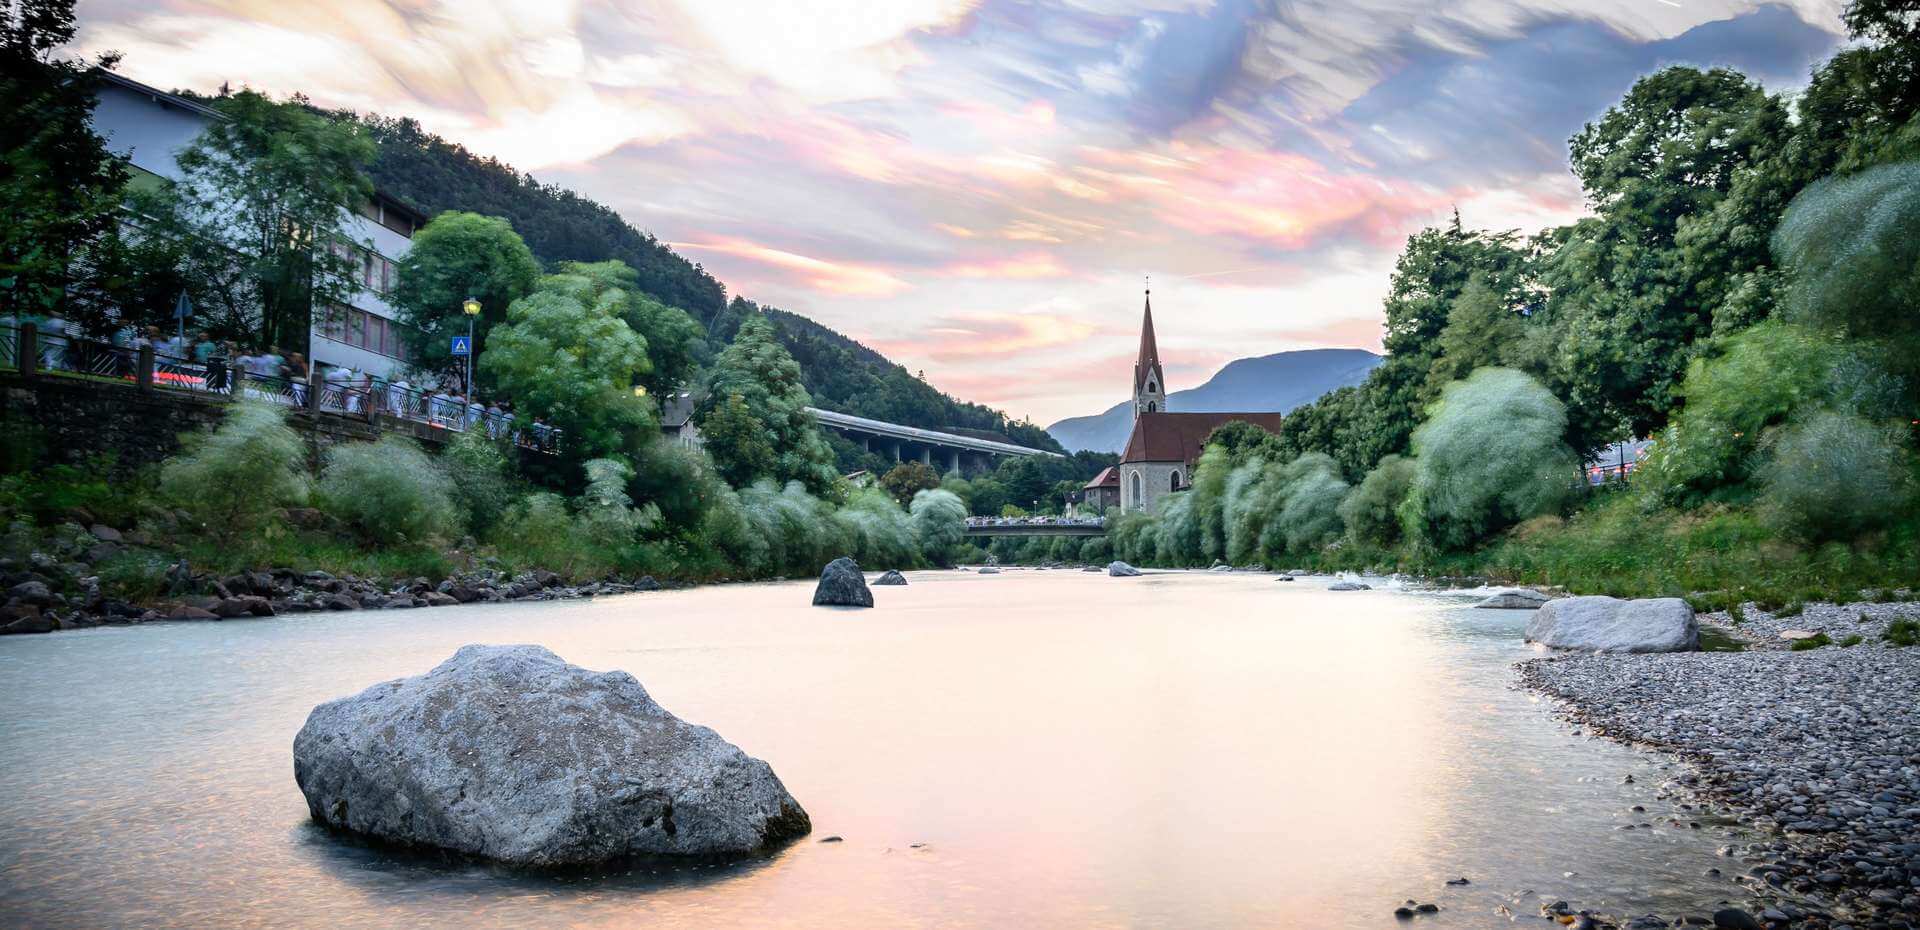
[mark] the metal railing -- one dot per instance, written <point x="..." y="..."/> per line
<point x="33" y="353"/>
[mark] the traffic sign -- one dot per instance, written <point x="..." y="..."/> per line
<point x="461" y="345"/>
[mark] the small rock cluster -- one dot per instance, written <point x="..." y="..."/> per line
<point x="1761" y="629"/>
<point x="1820" y="750"/>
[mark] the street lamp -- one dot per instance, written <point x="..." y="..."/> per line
<point x="472" y="309"/>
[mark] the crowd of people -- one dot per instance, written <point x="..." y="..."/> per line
<point x="198" y="361"/>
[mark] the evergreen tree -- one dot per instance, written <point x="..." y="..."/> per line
<point x="756" y="390"/>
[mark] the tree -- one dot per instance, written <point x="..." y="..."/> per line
<point x="771" y="403"/>
<point x="573" y="363"/>
<point x="675" y="343"/>
<point x="1490" y="456"/>
<point x="264" y="205"/>
<point x="60" y="190"/>
<point x="1481" y="330"/>
<point x="907" y="479"/>
<point x="1851" y="246"/>
<point x="454" y="257"/>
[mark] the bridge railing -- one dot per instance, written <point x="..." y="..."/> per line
<point x="26" y="349"/>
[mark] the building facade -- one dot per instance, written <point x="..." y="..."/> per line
<point x="148" y="127"/>
<point x="1164" y="447"/>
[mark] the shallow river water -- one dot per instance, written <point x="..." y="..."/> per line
<point x="1028" y="749"/>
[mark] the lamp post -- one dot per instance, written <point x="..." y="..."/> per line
<point x="472" y="309"/>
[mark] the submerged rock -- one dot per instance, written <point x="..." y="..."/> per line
<point x="1609" y="624"/>
<point x="1349" y="586"/>
<point x="989" y="570"/>
<point x="1283" y="578"/>
<point x="1514" y="599"/>
<point x="509" y="753"/>
<point x="1118" y="569"/>
<point x="891" y="578"/>
<point x="842" y="585"/>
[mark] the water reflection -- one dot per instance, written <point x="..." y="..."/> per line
<point x="1029" y="748"/>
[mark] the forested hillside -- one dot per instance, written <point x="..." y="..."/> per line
<point x="559" y="225"/>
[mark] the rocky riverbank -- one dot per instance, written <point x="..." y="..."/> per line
<point x="1817" y="749"/>
<point x="59" y="587"/>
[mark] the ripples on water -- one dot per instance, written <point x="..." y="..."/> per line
<point x="1176" y="750"/>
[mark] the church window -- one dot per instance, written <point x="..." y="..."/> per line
<point x="1152" y="407"/>
<point x="1173" y="483"/>
<point x="1136" y="489"/>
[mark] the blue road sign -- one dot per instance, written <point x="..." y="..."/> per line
<point x="183" y="307"/>
<point x="461" y="346"/>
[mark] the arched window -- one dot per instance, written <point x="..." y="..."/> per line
<point x="1173" y="483"/>
<point x="1151" y="389"/>
<point x="1136" y="489"/>
<point x="1151" y="406"/>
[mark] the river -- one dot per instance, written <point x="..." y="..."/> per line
<point x="1033" y="748"/>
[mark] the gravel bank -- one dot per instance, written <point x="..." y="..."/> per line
<point x="1818" y="750"/>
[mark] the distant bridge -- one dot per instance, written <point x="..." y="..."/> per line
<point x="996" y="528"/>
<point x="945" y="451"/>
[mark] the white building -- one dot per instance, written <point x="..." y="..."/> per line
<point x="147" y="126"/>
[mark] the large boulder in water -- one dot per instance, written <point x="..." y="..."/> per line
<point x="1121" y="570"/>
<point x="1609" y="624"/>
<point x="842" y="585"/>
<point x="891" y="578"/>
<point x="509" y="753"/>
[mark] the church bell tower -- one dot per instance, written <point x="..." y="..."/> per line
<point x="1149" y="382"/>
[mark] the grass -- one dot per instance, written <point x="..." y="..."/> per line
<point x="1903" y="633"/>
<point x="1716" y="640"/>
<point x="1812" y="642"/>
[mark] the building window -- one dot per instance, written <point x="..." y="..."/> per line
<point x="1152" y="407"/>
<point x="363" y="330"/>
<point x="1136" y="489"/>
<point x="1173" y="482"/>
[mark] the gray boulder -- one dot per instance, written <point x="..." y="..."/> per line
<point x="1118" y="569"/>
<point x="891" y="578"/>
<point x="1221" y="568"/>
<point x="1514" y="599"/>
<point x="509" y="753"/>
<point x="1283" y="578"/>
<point x="1609" y="624"/>
<point x="1349" y="586"/>
<point x="842" y="585"/>
<point x="989" y="570"/>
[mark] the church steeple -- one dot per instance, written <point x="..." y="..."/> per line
<point x="1149" y="382"/>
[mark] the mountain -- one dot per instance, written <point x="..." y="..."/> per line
<point x="1274" y="383"/>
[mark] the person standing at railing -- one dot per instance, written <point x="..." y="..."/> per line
<point x="204" y="348"/>
<point x="295" y="371"/>
<point x="476" y="414"/>
<point x="53" y="343"/>
<point x="361" y="385"/>
<point x="398" y="393"/>
<point x="506" y="421"/>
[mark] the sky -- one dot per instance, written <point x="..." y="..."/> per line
<point x="981" y="189"/>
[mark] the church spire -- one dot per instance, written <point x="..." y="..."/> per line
<point x="1149" y="382"/>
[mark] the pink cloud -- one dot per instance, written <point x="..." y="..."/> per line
<point x="1357" y="333"/>
<point x="988" y="335"/>
<point x="843" y="278"/>
<point x="1027" y="265"/>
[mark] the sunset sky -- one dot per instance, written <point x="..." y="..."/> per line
<point x="978" y="187"/>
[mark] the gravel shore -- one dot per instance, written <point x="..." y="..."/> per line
<point x="1818" y="750"/>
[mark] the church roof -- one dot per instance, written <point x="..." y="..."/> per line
<point x="1180" y="437"/>
<point x="1109" y="477"/>
<point x="1149" y="361"/>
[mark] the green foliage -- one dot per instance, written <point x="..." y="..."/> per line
<point x="1835" y="476"/>
<point x="1855" y="259"/>
<point x="607" y="517"/>
<point x="232" y="479"/>
<point x="1481" y="330"/>
<point x="454" y="257"/>
<point x="389" y="492"/>
<point x="59" y="189"/>
<point x="906" y="480"/>
<point x="674" y="341"/>
<point x="1851" y="640"/>
<point x="481" y="480"/>
<point x="1489" y="456"/>
<point x="1309" y="514"/>
<point x="1815" y="641"/>
<point x="1903" y="632"/>
<point x="880" y="533"/>
<point x="266" y="198"/>
<point x="563" y="354"/>
<point x="1371" y="512"/>
<point x="940" y="522"/>
<point x="764" y="429"/>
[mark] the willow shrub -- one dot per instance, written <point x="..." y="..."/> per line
<point x="939" y="524"/>
<point x="232" y="479"/>
<point x="1488" y="456"/>
<point x="388" y="492"/>
<point x="1370" y="513"/>
<point x="880" y="534"/>
<point x="1834" y="476"/>
<point x="1310" y="495"/>
<point x="481" y="480"/>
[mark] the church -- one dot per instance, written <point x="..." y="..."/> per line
<point x="1165" y="445"/>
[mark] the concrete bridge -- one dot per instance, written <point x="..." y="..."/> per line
<point x="943" y="451"/>
<point x="988" y="528"/>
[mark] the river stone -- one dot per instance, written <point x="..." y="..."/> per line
<point x="891" y="578"/>
<point x="1349" y="586"/>
<point x="1118" y="569"/>
<point x="842" y="585"/>
<point x="1609" y="624"/>
<point x="989" y="570"/>
<point x="508" y="753"/>
<point x="1514" y="599"/>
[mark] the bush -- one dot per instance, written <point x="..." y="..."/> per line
<point x="940" y="524"/>
<point x="233" y="478"/>
<point x="1902" y="633"/>
<point x="389" y="492"/>
<point x="1812" y="642"/>
<point x="1832" y="476"/>
<point x="881" y="533"/>
<point x="1850" y="245"/>
<point x="1310" y="497"/>
<point x="607" y="519"/>
<point x="1371" y="512"/>
<point x="480" y="478"/>
<point x="1488" y="456"/>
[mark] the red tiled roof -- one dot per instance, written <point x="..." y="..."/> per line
<point x="1108" y="477"/>
<point x="1180" y="437"/>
